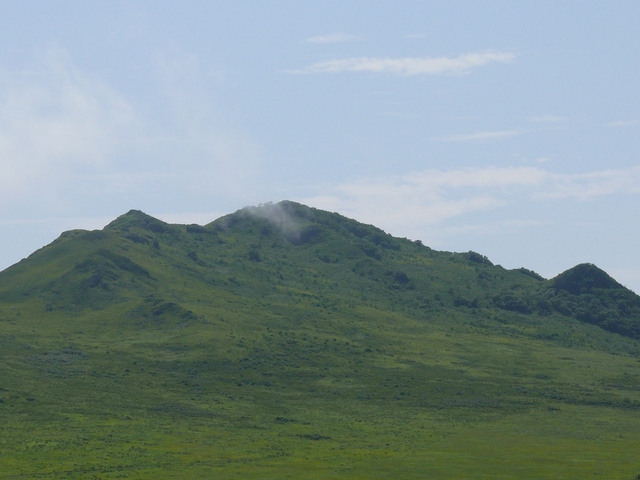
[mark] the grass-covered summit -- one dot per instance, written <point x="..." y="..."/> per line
<point x="282" y="340"/>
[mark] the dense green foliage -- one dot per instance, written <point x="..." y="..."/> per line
<point x="283" y="341"/>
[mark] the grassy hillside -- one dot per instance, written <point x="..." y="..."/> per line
<point x="286" y="342"/>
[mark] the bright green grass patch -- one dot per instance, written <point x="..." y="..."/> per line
<point x="574" y="442"/>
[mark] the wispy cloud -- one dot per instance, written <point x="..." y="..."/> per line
<point x="410" y="202"/>
<point x="586" y="186"/>
<point x="56" y="120"/>
<point x="410" y="66"/>
<point x="478" y="136"/>
<point x="548" y="119"/>
<point x="333" y="38"/>
<point x="624" y="123"/>
<point x="71" y="144"/>
<point x="491" y="228"/>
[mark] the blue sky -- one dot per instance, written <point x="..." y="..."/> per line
<point x="504" y="127"/>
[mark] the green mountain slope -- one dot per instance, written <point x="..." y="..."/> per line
<point x="283" y="341"/>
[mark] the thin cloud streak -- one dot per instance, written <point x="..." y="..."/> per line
<point x="479" y="136"/>
<point x="333" y="38"/>
<point x="548" y="119"/>
<point x="624" y="123"/>
<point x="587" y="186"/>
<point x="409" y="66"/>
<point x="506" y="226"/>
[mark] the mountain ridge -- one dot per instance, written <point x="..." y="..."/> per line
<point x="299" y="225"/>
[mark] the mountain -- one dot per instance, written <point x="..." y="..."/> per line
<point x="282" y="340"/>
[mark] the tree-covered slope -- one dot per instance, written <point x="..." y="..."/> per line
<point x="283" y="340"/>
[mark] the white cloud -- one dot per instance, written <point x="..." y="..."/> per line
<point x="410" y="66"/>
<point x="586" y="186"/>
<point x="548" y="119"/>
<point x="333" y="38"/>
<point x="491" y="228"/>
<point x="478" y="136"/>
<point x="71" y="143"/>
<point x="489" y="177"/>
<point x="409" y="202"/>
<point x="624" y="123"/>
<point x="53" y="121"/>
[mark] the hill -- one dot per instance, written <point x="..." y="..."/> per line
<point x="284" y="341"/>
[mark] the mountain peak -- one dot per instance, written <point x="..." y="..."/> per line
<point x="301" y="224"/>
<point x="139" y="219"/>
<point x="583" y="278"/>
